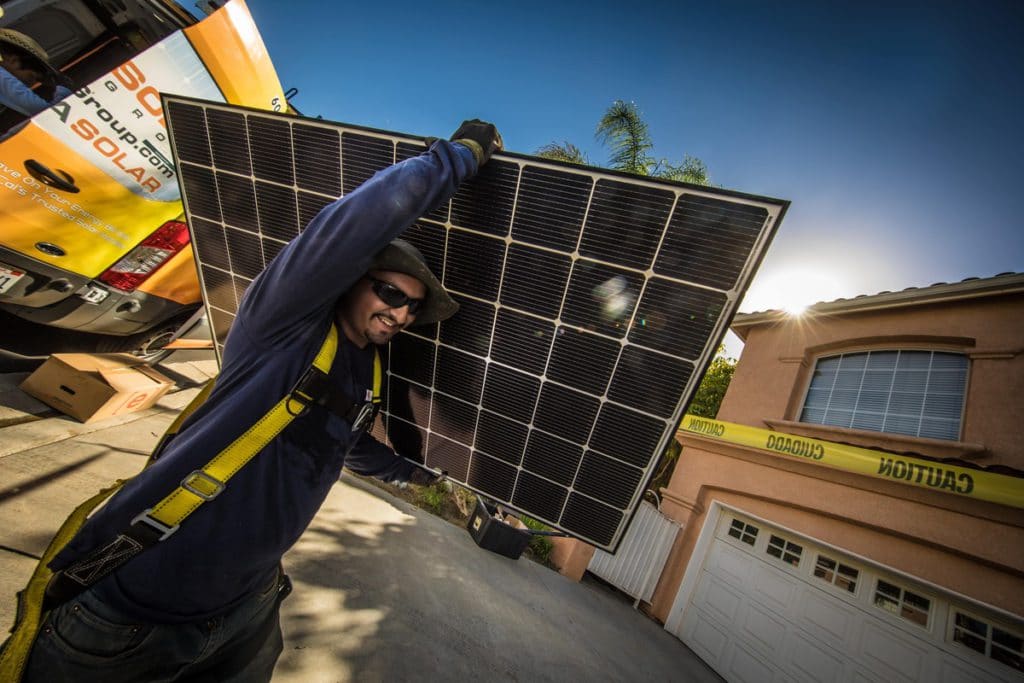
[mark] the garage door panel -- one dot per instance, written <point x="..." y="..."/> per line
<point x="862" y="676"/>
<point x="953" y="670"/>
<point x="762" y="627"/>
<point x="773" y="587"/>
<point x="891" y="653"/>
<point x="833" y="619"/>
<point x="811" y="660"/>
<point x="745" y="665"/>
<point x="718" y="598"/>
<point x="705" y="637"/>
<point x="730" y="564"/>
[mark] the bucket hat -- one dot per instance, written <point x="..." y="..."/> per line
<point x="402" y="257"/>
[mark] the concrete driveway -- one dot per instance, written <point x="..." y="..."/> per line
<point x="383" y="590"/>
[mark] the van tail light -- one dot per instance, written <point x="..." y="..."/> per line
<point x="147" y="258"/>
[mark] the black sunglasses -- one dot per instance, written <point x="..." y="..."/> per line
<point x="393" y="296"/>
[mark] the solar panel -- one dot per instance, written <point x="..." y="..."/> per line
<point x="591" y="301"/>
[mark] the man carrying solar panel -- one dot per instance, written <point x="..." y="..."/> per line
<point x="200" y="601"/>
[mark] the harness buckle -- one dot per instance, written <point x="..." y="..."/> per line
<point x="156" y="525"/>
<point x="310" y="388"/>
<point x="365" y="416"/>
<point x="188" y="483"/>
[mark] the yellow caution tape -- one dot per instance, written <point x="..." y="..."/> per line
<point x="937" y="476"/>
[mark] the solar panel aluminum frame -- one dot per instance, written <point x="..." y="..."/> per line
<point x="669" y="213"/>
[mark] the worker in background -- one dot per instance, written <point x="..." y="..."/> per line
<point x="23" y="64"/>
<point x="203" y="603"/>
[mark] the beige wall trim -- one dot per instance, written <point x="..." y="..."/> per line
<point x="999" y="285"/>
<point x="897" y="443"/>
<point x="691" y="506"/>
<point x="994" y="355"/>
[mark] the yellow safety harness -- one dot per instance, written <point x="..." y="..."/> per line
<point x="46" y="590"/>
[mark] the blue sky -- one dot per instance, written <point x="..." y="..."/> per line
<point x="896" y="129"/>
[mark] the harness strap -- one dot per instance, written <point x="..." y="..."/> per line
<point x="359" y="414"/>
<point x="199" y="486"/>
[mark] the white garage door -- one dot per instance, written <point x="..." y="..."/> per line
<point x="772" y="606"/>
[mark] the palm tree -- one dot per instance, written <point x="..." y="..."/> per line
<point x="623" y="130"/>
<point x="625" y="133"/>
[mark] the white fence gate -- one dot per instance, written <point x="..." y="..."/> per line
<point x="636" y="567"/>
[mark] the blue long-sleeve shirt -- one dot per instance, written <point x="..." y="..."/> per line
<point x="232" y="545"/>
<point x="21" y="98"/>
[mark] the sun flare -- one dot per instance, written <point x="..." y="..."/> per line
<point x="791" y="290"/>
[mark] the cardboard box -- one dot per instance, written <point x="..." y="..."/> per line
<point x="91" y="387"/>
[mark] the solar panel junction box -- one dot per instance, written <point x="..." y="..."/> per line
<point x="494" y="534"/>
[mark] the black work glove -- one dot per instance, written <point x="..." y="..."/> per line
<point x="481" y="137"/>
<point x="423" y="477"/>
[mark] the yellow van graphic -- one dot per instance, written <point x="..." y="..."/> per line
<point x="92" y="238"/>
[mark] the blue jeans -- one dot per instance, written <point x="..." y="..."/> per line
<point x="85" y="640"/>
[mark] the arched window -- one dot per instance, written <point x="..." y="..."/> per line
<point x="920" y="393"/>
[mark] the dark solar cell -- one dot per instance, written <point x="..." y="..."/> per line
<point x="551" y="457"/>
<point x="535" y="280"/>
<point x="317" y="159"/>
<point x="454" y="418"/>
<point x="240" y="284"/>
<point x="361" y="157"/>
<point x="238" y="202"/>
<point x="601" y="298"/>
<point x="409" y="401"/>
<point x="277" y="210"/>
<point x="709" y="240"/>
<point x="474" y="263"/>
<point x="500" y="437"/>
<point x="220" y="292"/>
<point x="470" y="330"/>
<point x="607" y="479"/>
<point x="676" y="319"/>
<point x="574" y="350"/>
<point x="191" y="137"/>
<point x="412" y="358"/>
<point x="220" y="323"/>
<point x="566" y="412"/>
<point x="209" y="243"/>
<point x="510" y="392"/>
<point x="544" y="499"/>
<point x="551" y="207"/>
<point x="430" y="240"/>
<point x="246" y="253"/>
<point x="593" y="519"/>
<point x="406" y="438"/>
<point x="448" y="456"/>
<point x="625" y="223"/>
<point x="200" y="190"/>
<point x="627" y="434"/>
<point x="491" y="476"/>
<point x="271" y="249"/>
<point x="485" y="201"/>
<point x="649" y="381"/>
<point x="230" y="150"/>
<point x="270" y="140"/>
<point x="460" y="374"/>
<point x="309" y="206"/>
<point x="521" y="341"/>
